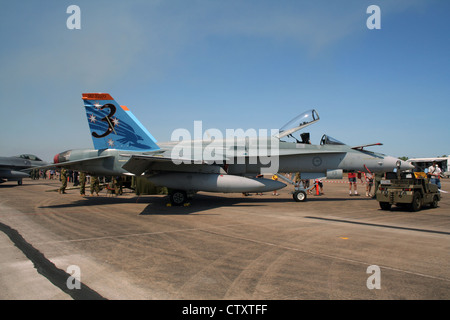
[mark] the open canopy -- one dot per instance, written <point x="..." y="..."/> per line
<point x="299" y="122"/>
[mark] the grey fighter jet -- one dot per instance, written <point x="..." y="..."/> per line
<point x="210" y="161"/>
<point x="18" y="167"/>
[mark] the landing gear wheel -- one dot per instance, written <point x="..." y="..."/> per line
<point x="178" y="198"/>
<point x="19" y="182"/>
<point x="299" y="196"/>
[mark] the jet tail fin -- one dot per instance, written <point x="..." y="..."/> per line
<point x="115" y="127"/>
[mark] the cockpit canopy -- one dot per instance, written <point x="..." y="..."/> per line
<point x="299" y="122"/>
<point x="302" y="121"/>
<point x="31" y="157"/>
<point x="327" y="140"/>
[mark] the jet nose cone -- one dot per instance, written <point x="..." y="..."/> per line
<point x="391" y="163"/>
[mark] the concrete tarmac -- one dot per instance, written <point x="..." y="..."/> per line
<point x="223" y="246"/>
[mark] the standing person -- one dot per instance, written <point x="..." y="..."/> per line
<point x="118" y="185"/>
<point x="297" y="180"/>
<point x="63" y="178"/>
<point x="369" y="183"/>
<point x="434" y="172"/>
<point x="95" y="185"/>
<point x="76" y="181"/>
<point x="306" y="185"/>
<point x="82" y="183"/>
<point x="320" y="184"/>
<point x="352" y="181"/>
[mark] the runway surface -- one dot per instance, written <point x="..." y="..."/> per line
<point x="223" y="246"/>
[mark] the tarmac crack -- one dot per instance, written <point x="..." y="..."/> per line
<point x="48" y="269"/>
<point x="380" y="225"/>
<point x="334" y="257"/>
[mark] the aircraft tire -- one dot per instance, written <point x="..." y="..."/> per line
<point x="299" y="196"/>
<point x="178" y="198"/>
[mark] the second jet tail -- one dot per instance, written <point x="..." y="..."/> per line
<point x="115" y="127"/>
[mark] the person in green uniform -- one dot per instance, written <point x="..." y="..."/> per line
<point x="297" y="179"/>
<point x="118" y="185"/>
<point x="63" y="179"/>
<point x="95" y="185"/>
<point x="82" y="180"/>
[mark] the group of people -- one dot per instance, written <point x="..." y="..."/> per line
<point x="115" y="185"/>
<point x="368" y="180"/>
<point x="434" y="174"/>
<point x="81" y="181"/>
<point x="36" y="174"/>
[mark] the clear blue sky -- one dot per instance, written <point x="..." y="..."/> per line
<point x="232" y="64"/>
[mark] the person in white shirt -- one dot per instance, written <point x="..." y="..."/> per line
<point x="369" y="183"/>
<point x="434" y="172"/>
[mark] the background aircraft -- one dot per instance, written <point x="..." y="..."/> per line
<point x="18" y="167"/>
<point x="123" y="146"/>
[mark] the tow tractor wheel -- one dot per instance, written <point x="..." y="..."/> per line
<point x="435" y="202"/>
<point x="178" y="197"/>
<point x="299" y="196"/>
<point x="385" y="205"/>
<point x="416" y="202"/>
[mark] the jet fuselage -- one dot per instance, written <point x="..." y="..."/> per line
<point x="244" y="160"/>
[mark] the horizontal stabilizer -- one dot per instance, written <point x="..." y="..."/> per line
<point x="367" y="145"/>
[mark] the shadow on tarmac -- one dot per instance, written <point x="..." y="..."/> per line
<point x="159" y="205"/>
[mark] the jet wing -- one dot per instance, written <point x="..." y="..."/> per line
<point x="68" y="164"/>
<point x="138" y="164"/>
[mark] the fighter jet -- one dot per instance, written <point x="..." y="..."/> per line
<point x="18" y="167"/>
<point x="211" y="162"/>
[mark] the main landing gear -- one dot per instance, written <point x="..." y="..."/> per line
<point x="179" y="198"/>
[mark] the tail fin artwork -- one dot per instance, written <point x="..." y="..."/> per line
<point x="115" y="127"/>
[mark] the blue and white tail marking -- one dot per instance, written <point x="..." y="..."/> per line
<point x="115" y="127"/>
